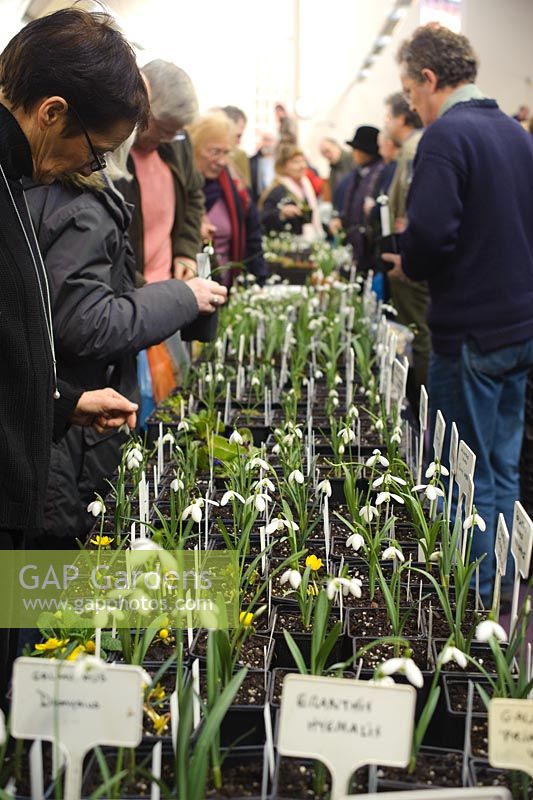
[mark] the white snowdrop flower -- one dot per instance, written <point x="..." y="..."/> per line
<point x="231" y="495"/>
<point x="475" y="519"/>
<point x="177" y="484"/>
<point x="376" y="458"/>
<point x="318" y="374"/>
<point x="430" y="491"/>
<point x="255" y="381"/>
<point x="453" y="654"/>
<point x="96" y="508"/>
<point x="168" y="437"/>
<point x="392" y="552"/>
<point x="194" y="510"/>
<point x="404" y="666"/>
<point x="257" y="463"/>
<point x="333" y="393"/>
<point x="389" y="309"/>
<point x="220" y="377"/>
<point x="298" y="431"/>
<point x="84" y="663"/>
<point x="335" y="585"/>
<point x="209" y="250"/>
<point x="378" y="425"/>
<point x="367" y="513"/>
<point x="335" y="402"/>
<point x="341" y="448"/>
<point x="264" y="483"/>
<point x="347" y="435"/>
<point x="208" y="378"/>
<point x="296" y="476"/>
<point x="338" y="380"/>
<point x="184" y="426"/>
<point x="132" y="463"/>
<point x="396" y="436"/>
<point x="383" y="680"/>
<point x="293" y="577"/>
<point x="436" y="468"/>
<point x="324" y="487"/>
<point x="144" y="543"/>
<point x="260" y="502"/>
<point x="274" y="525"/>
<point x="488" y="628"/>
<point x="387" y="479"/>
<point x="353" y="413"/>
<point x="355" y="541"/>
<point x="276" y="450"/>
<point x="436" y="556"/>
<point x="386" y="497"/>
<point x="137" y="454"/>
<point x="288" y="439"/>
<point x="353" y="588"/>
<point x="236" y="438"/>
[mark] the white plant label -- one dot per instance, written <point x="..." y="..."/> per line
<point x="522" y="539"/>
<point x="464" y="470"/>
<point x="501" y="548"/>
<point x="423" y="412"/>
<point x="454" y="444"/>
<point x="346" y="724"/>
<point x="399" y="382"/>
<point x="479" y="793"/>
<point x="77" y="706"/>
<point x="438" y="436"/>
<point x="203" y="265"/>
<point x="511" y="734"/>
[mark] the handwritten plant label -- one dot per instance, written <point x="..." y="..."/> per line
<point x="464" y="470"/>
<point x="399" y="382"/>
<point x="346" y="724"/>
<point x="511" y="734"/>
<point x="501" y="547"/>
<point x="438" y="436"/>
<point x="479" y="793"/>
<point x="522" y="539"/>
<point x="78" y="706"/>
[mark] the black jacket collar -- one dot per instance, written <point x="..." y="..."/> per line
<point x="15" y="153"/>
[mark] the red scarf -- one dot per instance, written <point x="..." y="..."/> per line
<point x="237" y="202"/>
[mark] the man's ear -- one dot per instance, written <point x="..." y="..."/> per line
<point x="430" y="77"/>
<point x="51" y="111"/>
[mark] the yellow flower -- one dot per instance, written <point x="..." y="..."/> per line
<point x="164" y="633"/>
<point x="90" y="646"/>
<point x="313" y="563"/>
<point x="312" y="589"/>
<point x="161" y="723"/>
<point x="246" y="618"/>
<point x="51" y="644"/>
<point x="76" y="652"/>
<point x="102" y="541"/>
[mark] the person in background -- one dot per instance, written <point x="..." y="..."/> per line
<point x="353" y="190"/>
<point x="473" y="243"/>
<point x="522" y="115"/>
<point x="411" y="299"/>
<point x="166" y="190"/>
<point x="101" y="322"/>
<point x="70" y="91"/>
<point x="262" y="165"/>
<point x="339" y="160"/>
<point x="286" y="125"/>
<point x="290" y="201"/>
<point x="239" y="157"/>
<point x="231" y="217"/>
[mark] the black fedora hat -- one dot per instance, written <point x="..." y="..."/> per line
<point x="365" y="138"/>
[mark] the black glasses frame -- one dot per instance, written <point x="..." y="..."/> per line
<point x="99" y="162"/>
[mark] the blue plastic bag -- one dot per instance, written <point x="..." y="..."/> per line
<point x="145" y="388"/>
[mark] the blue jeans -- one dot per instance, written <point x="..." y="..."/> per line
<point x="484" y="394"/>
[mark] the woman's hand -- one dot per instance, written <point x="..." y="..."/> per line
<point x="289" y="211"/>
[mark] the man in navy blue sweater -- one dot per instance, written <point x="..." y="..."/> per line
<point x="470" y="235"/>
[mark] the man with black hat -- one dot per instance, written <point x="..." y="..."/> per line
<point x="352" y="191"/>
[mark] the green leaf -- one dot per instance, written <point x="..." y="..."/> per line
<point x="295" y="653"/>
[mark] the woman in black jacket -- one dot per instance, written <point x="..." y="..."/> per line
<point x="101" y="322"/>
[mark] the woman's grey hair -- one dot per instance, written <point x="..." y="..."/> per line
<point x="117" y="161"/>
<point x="171" y="91"/>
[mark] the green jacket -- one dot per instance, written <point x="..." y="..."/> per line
<point x="190" y="207"/>
<point x="403" y="176"/>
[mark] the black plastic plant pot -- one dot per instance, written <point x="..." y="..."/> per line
<point x="482" y="774"/>
<point x="282" y="654"/>
<point x="21" y="789"/>
<point x="252" y="654"/>
<point x="456" y="685"/>
<point x="296" y="778"/>
<point x="436" y="768"/>
<point x="372" y="621"/>
<point x="242" y="775"/>
<point x="136" y="762"/>
<point x="481" y="652"/>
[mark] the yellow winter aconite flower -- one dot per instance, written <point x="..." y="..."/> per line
<point x="313" y="563"/>
<point x="161" y="724"/>
<point x="51" y="644"/>
<point x="102" y="541"/>
<point x="246" y="618"/>
<point x="90" y="646"/>
<point x="76" y="652"/>
<point x="164" y="633"/>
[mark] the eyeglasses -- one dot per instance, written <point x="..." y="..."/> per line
<point x="215" y="153"/>
<point x="99" y="161"/>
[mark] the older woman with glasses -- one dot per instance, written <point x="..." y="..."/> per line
<point x="231" y="220"/>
